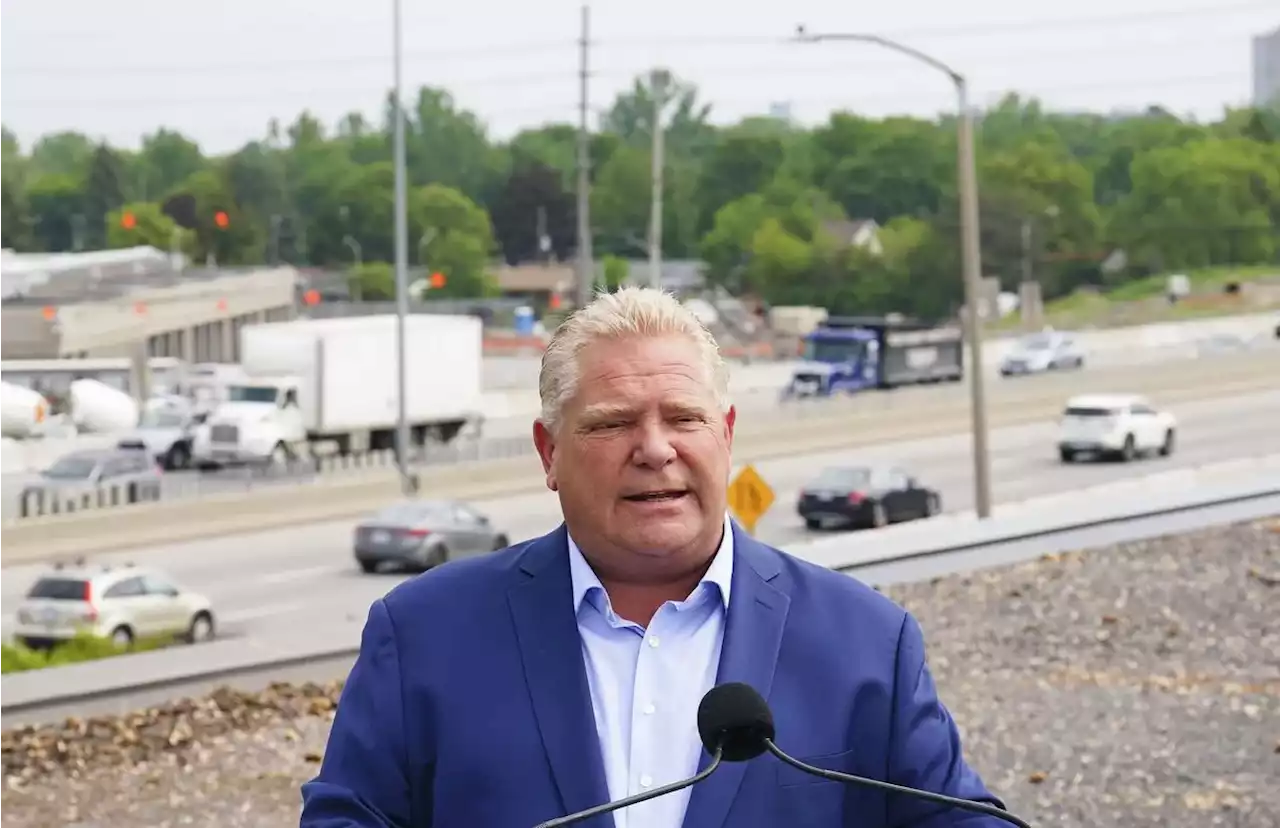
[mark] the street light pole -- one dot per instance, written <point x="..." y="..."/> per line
<point x="401" y="264"/>
<point x="970" y="246"/>
<point x="657" y="88"/>
<point x="586" y="258"/>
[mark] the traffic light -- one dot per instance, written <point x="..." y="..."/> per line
<point x="220" y="219"/>
<point x="128" y="221"/>
<point x="437" y="280"/>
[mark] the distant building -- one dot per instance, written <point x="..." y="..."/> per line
<point x="780" y="111"/>
<point x="1266" y="69"/>
<point x="864" y="233"/>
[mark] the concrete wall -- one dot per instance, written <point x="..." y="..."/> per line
<point x="26" y="334"/>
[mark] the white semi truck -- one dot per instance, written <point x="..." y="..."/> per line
<point x="333" y="383"/>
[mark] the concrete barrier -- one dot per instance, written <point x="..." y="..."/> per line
<point x="358" y="492"/>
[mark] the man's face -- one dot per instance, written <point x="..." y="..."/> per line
<point x="641" y="457"/>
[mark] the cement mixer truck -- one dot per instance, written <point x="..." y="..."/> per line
<point x="97" y="408"/>
<point x="23" y="412"/>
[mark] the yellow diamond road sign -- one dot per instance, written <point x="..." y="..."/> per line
<point x="749" y="498"/>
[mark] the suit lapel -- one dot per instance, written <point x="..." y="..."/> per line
<point x="752" y="637"/>
<point x="551" y="650"/>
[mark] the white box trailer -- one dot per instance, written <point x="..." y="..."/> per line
<point x="348" y="369"/>
<point x="336" y="380"/>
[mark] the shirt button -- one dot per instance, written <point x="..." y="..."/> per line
<point x="653" y="641"/>
<point x="648" y="709"/>
<point x="646" y="781"/>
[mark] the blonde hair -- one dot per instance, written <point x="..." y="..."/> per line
<point x="627" y="312"/>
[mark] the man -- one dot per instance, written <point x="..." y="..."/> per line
<point x="566" y="671"/>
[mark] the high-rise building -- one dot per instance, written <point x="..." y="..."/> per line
<point x="1266" y="69"/>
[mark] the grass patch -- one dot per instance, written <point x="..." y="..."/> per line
<point x="1142" y="301"/>
<point x="17" y="658"/>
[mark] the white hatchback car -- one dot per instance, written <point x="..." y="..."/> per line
<point x="121" y="603"/>
<point x="1118" y="425"/>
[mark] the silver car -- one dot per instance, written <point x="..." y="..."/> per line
<point x="420" y="534"/>
<point x="117" y="475"/>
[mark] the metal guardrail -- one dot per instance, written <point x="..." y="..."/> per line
<point x="45" y="694"/>
<point x="34" y="501"/>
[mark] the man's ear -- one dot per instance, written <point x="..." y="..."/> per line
<point x="730" y="418"/>
<point x="545" y="442"/>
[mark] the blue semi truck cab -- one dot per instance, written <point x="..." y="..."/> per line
<point x="852" y="354"/>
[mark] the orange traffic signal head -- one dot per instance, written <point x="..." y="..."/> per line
<point x="220" y="219"/>
<point x="437" y="280"/>
<point x="128" y="221"/>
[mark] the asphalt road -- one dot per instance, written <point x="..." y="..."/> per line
<point x="756" y="389"/>
<point x="304" y="582"/>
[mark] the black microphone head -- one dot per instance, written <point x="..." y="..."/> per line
<point x="736" y="719"/>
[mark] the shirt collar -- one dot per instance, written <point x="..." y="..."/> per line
<point x="719" y="574"/>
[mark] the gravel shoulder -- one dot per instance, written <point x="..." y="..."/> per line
<point x="1136" y="685"/>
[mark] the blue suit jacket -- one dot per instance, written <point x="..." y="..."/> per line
<point x="468" y="705"/>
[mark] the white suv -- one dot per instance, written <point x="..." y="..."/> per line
<point x="121" y="603"/>
<point x="1119" y="425"/>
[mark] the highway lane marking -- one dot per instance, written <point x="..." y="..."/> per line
<point x="257" y="613"/>
<point x="285" y="576"/>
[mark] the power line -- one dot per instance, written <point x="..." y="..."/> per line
<point x="969" y="30"/>
<point x="568" y="46"/>
<point x="563" y="110"/>
<point x="566" y="78"/>
<point x="436" y="56"/>
<point x="1039" y="55"/>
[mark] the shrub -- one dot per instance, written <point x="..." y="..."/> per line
<point x="17" y="658"/>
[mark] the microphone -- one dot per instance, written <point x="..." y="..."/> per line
<point x="730" y="731"/>
<point x="752" y="734"/>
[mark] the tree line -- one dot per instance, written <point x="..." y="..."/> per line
<point x="766" y="205"/>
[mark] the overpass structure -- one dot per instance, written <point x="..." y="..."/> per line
<point x="112" y="303"/>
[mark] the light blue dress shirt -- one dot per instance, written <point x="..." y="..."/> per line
<point x="646" y="684"/>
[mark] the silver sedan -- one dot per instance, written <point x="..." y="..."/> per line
<point x="421" y="534"/>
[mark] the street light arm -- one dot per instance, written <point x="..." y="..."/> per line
<point x="803" y="36"/>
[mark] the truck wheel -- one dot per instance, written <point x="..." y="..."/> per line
<point x="279" y="456"/>
<point x="178" y="457"/>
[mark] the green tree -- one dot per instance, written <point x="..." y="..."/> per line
<point x="1214" y="201"/>
<point x="58" y="212"/>
<point x="104" y="191"/>
<point x="459" y="239"/>
<point x="62" y="153"/>
<point x="146" y="225"/>
<point x="167" y="159"/>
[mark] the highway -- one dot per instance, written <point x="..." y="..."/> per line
<point x="755" y="392"/>
<point x="303" y="582"/>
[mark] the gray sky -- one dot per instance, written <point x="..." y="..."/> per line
<point x="218" y="70"/>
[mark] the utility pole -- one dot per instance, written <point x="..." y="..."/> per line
<point x="657" y="88"/>
<point x="586" y="261"/>
<point x="970" y="243"/>
<point x="402" y="268"/>
<point x="1026" y="250"/>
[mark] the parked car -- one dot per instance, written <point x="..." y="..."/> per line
<point x="120" y="603"/>
<point x="421" y="534"/>
<point x="1124" y="426"/>
<point x="865" y="496"/>
<point x="1041" y="352"/>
